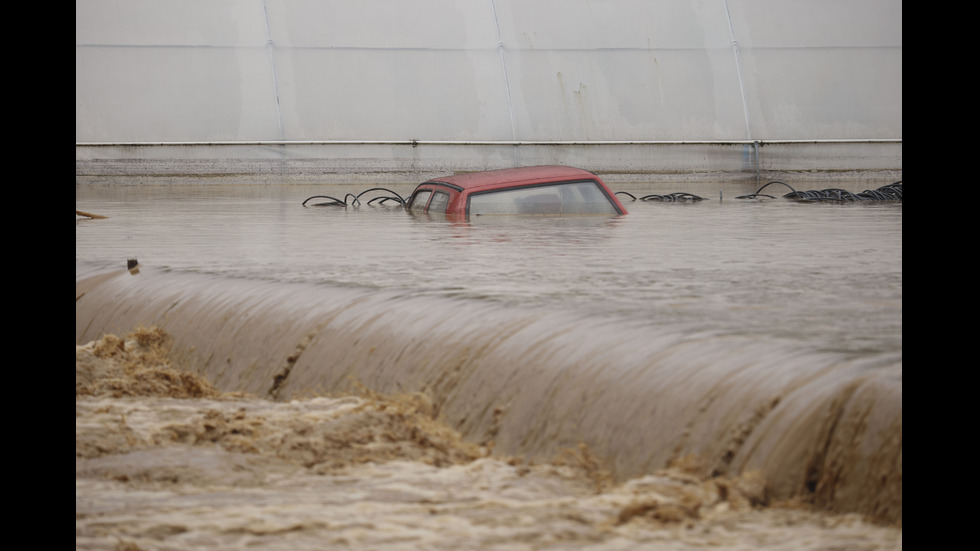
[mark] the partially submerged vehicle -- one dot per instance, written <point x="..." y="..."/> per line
<point x="535" y="190"/>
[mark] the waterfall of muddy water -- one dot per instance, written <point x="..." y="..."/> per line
<point x="759" y="337"/>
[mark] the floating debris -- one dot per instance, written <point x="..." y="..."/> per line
<point x="89" y="214"/>
<point x="355" y="200"/>
<point x="889" y="192"/>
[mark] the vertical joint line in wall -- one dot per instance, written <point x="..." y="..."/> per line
<point x="503" y="65"/>
<point x="738" y="70"/>
<point x="272" y="63"/>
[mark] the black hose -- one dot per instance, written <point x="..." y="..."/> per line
<point x="334" y="202"/>
<point x="395" y="198"/>
<point x="758" y="194"/>
<point x="355" y="200"/>
<point x="382" y="200"/>
<point x="889" y="192"/>
<point x="673" y="197"/>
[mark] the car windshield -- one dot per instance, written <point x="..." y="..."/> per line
<point x="583" y="197"/>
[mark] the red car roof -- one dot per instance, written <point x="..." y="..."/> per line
<point x="515" y="176"/>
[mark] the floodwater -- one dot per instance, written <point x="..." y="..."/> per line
<point x="726" y="373"/>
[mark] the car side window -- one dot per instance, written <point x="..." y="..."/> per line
<point x="420" y="199"/>
<point x="583" y="197"/>
<point x="438" y="204"/>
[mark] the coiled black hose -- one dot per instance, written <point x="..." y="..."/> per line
<point x="888" y="192"/>
<point x="355" y="200"/>
<point x="677" y="197"/>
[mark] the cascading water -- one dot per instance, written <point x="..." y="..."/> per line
<point x="537" y="381"/>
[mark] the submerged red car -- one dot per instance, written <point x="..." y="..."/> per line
<point x="548" y="190"/>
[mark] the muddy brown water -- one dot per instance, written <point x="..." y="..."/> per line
<point x="758" y="336"/>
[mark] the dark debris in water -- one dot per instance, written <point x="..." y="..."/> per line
<point x="355" y="200"/>
<point x="889" y="192"/>
<point x="677" y="197"/>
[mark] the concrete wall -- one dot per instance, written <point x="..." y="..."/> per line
<point x="313" y="89"/>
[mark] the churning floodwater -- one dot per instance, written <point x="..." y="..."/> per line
<point x="757" y="335"/>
